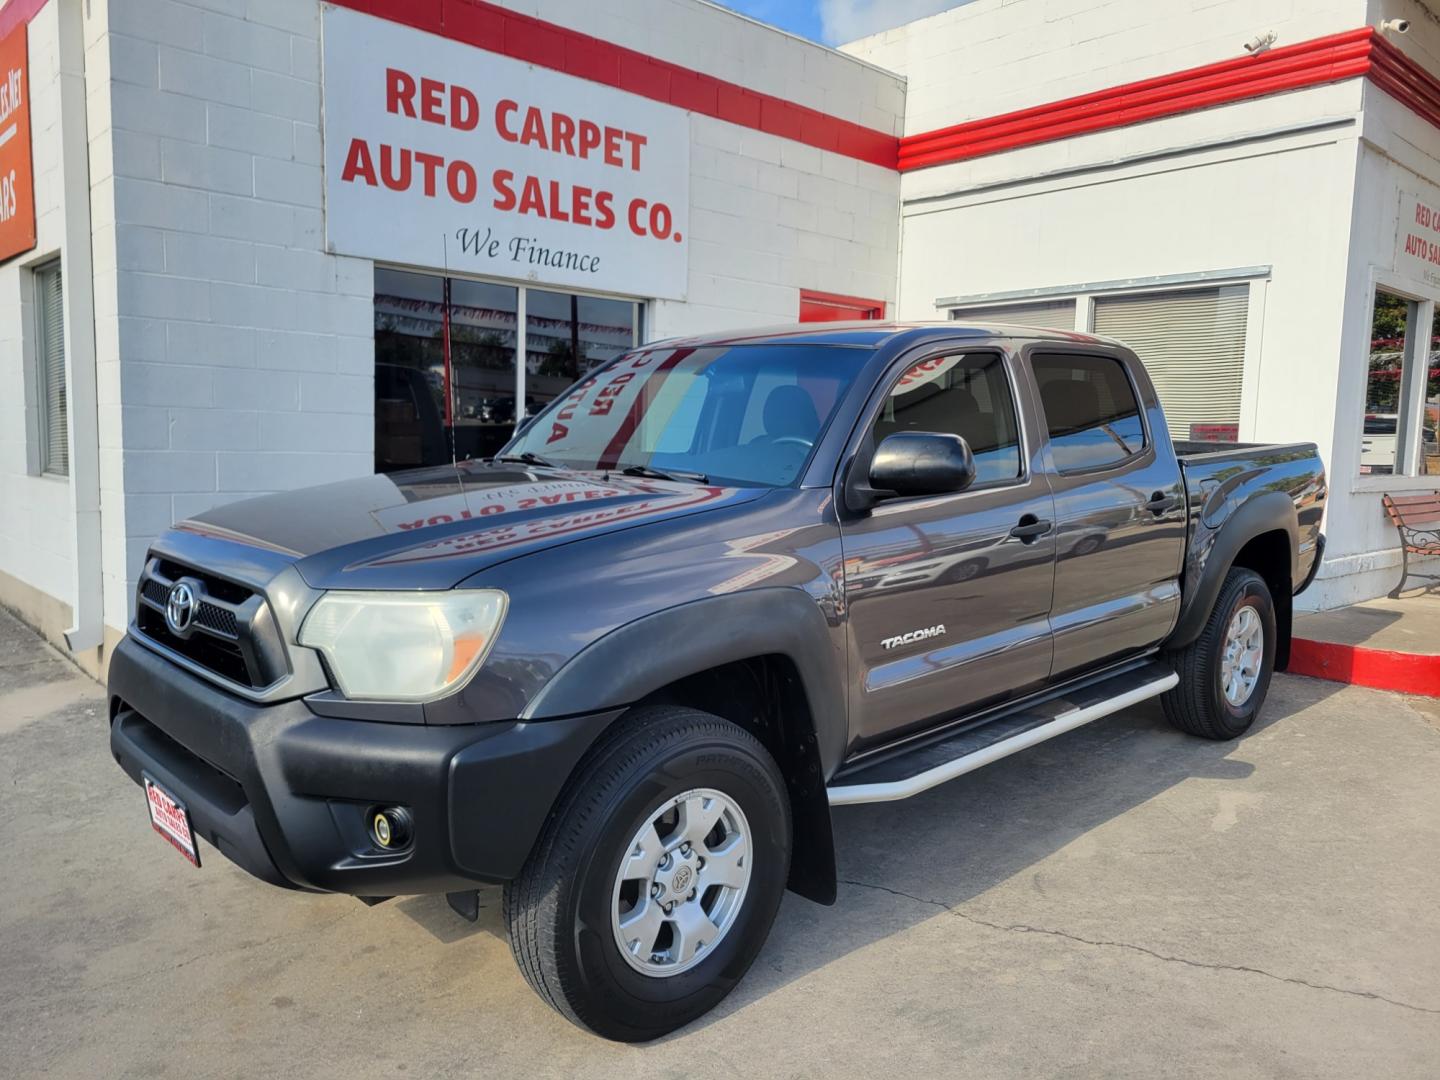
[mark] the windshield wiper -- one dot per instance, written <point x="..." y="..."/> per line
<point x="528" y="458"/>
<point x="665" y="474"/>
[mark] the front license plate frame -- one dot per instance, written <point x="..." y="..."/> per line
<point x="170" y="818"/>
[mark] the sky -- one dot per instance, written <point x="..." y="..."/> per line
<point x="837" y="21"/>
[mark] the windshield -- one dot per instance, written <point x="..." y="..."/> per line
<point x="740" y="414"/>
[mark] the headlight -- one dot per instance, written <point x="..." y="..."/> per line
<point x="403" y="646"/>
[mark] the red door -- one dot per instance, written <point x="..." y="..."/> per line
<point x="829" y="307"/>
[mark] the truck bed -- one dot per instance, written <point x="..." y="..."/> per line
<point x="1222" y="478"/>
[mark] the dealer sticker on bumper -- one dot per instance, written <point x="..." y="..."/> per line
<point x="170" y="819"/>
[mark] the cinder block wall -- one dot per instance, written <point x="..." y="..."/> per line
<point x="768" y="216"/>
<point x="36" y="517"/>
<point x="246" y="353"/>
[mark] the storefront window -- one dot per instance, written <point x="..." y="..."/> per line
<point x="409" y="370"/>
<point x="447" y="361"/>
<point x="567" y="337"/>
<point x="483" y="334"/>
<point x="1430" y="441"/>
<point x="1386" y="440"/>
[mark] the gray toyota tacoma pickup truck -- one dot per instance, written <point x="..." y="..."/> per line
<point x="625" y="668"/>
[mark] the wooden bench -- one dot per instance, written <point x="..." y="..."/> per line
<point x="1417" y="519"/>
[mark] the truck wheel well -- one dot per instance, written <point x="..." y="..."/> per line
<point x="1268" y="554"/>
<point x="764" y="695"/>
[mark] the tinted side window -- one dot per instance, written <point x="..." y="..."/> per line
<point x="966" y="395"/>
<point x="1090" y="410"/>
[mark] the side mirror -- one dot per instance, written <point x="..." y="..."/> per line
<point x="921" y="463"/>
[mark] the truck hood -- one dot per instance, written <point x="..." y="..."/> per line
<point x="433" y="528"/>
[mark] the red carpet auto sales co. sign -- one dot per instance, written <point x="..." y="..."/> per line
<point x="443" y="155"/>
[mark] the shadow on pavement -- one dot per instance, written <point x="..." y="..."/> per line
<point x="956" y="841"/>
<point x="952" y="843"/>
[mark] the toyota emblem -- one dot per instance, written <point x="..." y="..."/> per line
<point x="180" y="607"/>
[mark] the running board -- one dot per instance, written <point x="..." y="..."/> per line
<point x="917" y="770"/>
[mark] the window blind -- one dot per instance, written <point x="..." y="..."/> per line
<point x="50" y="354"/>
<point x="1046" y="314"/>
<point x="1193" y="345"/>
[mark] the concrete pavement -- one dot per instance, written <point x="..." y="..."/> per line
<point x="1122" y="901"/>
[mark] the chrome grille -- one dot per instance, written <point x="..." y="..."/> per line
<point x="231" y="637"/>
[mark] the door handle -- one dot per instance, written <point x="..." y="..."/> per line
<point x="1160" y="502"/>
<point x="1029" y="529"/>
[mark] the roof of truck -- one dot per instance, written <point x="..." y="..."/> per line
<point x="870" y="334"/>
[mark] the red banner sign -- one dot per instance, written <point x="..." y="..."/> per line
<point x="17" y="185"/>
<point x="1214" y="432"/>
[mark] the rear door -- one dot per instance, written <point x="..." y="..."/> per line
<point x="947" y="609"/>
<point x="1119" y="507"/>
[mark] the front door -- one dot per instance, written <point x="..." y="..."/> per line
<point x="949" y="597"/>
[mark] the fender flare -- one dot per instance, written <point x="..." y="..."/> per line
<point x="640" y="657"/>
<point x="1270" y="511"/>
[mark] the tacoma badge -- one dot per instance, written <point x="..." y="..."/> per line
<point x="913" y="636"/>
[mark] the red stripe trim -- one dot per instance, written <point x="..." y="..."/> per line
<point x="1406" y="81"/>
<point x="559" y="48"/>
<point x="1310" y="63"/>
<point x="18" y="11"/>
<point x="1380" y="669"/>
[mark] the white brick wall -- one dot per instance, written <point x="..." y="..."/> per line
<point x="712" y="39"/>
<point x="231" y="320"/>
<point x="36" y="524"/>
<point x="768" y="216"/>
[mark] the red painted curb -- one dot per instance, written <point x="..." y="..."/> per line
<point x="1380" y="669"/>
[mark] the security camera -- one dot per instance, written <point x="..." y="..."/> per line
<point x="1396" y="26"/>
<point x="1260" y="42"/>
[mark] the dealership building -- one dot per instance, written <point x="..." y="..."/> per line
<point x="249" y="245"/>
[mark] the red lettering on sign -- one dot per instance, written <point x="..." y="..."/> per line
<point x="358" y="163"/>
<point x="430" y="163"/>
<point x="399" y="92"/>
<point x="395" y="173"/>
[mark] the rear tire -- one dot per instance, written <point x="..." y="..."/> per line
<point x="1222" y="682"/>
<point x="587" y="916"/>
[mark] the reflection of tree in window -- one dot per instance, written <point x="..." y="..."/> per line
<point x="1388" y="330"/>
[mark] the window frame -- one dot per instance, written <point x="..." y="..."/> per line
<point x="1427" y="301"/>
<point x="522" y="287"/>
<point x="1045" y="348"/>
<point x="866" y="446"/>
<point x="44" y="422"/>
<point x="1084" y="295"/>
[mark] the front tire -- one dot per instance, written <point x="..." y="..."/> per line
<point x="1225" y="672"/>
<point x="655" y="882"/>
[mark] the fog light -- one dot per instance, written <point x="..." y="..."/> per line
<point x="390" y="827"/>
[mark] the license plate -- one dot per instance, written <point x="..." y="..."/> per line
<point x="171" y="820"/>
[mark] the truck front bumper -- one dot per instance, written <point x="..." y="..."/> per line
<point x="288" y="794"/>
